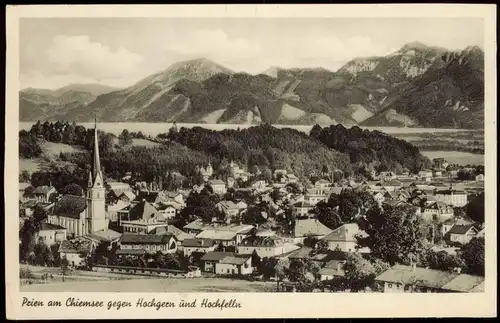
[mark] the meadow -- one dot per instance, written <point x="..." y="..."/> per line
<point x="163" y="285"/>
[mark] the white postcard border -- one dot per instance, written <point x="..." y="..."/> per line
<point x="265" y="305"/>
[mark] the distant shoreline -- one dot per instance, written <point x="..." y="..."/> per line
<point x="158" y="127"/>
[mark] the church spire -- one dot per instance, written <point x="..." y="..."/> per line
<point x="96" y="164"/>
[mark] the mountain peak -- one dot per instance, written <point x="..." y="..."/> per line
<point x="416" y="45"/>
<point x="200" y="62"/>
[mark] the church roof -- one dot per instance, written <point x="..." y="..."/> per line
<point x="70" y="206"/>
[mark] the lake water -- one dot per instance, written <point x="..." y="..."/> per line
<point x="154" y="129"/>
<point x="455" y="157"/>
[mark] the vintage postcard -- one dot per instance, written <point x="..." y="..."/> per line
<point x="240" y="161"/>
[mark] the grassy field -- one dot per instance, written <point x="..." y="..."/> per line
<point x="29" y="165"/>
<point x="456" y="157"/>
<point x="159" y="285"/>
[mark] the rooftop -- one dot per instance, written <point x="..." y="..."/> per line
<point x="307" y="227"/>
<point x="47" y="226"/>
<point x="345" y="232"/>
<point x="43" y="189"/>
<point x="76" y="246"/>
<point x="105" y="235"/>
<point x="262" y="241"/>
<point x="463" y="283"/>
<point x="70" y="206"/>
<point x="199" y="243"/>
<point x="216" y="255"/>
<point x="216" y="234"/>
<point x="418" y="275"/>
<point x="128" y="238"/>
<point x="461" y="229"/>
<point x="234" y="260"/>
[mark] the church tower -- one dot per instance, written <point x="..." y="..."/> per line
<point x="96" y="210"/>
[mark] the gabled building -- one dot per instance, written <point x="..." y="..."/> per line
<point x="189" y="246"/>
<point x="127" y="197"/>
<point x="456" y="198"/>
<point x="229" y="208"/>
<point x="408" y="279"/>
<point x="437" y="211"/>
<point x="234" y="265"/>
<point x="303" y="229"/>
<point x="42" y="193"/>
<point x="302" y="209"/>
<point x="264" y="246"/>
<point x="143" y="218"/>
<point x="211" y="258"/>
<point x="22" y="188"/>
<point x="51" y="233"/>
<point x="150" y="243"/>
<point x="332" y="269"/>
<point x="218" y="186"/>
<point x="462" y="233"/>
<point x="75" y="250"/>
<point x="344" y="238"/>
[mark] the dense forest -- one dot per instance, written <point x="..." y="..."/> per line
<point x="259" y="150"/>
<point x="366" y="147"/>
<point x="263" y="146"/>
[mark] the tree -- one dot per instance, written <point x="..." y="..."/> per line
<point x="395" y="234"/>
<point x="441" y="260"/>
<point x="473" y="255"/>
<point x="43" y="256"/>
<point x="56" y="256"/>
<point x="310" y="241"/>
<point x="327" y="215"/>
<point x="28" y="192"/>
<point x="360" y="272"/>
<point x="27" y="237"/>
<point x="255" y="259"/>
<point x="39" y="215"/>
<point x="73" y="189"/>
<point x="267" y="267"/>
<point x="24" y="176"/>
<point x="256" y="214"/>
<point x="64" y="267"/>
<point x="322" y="246"/>
<point x="352" y="203"/>
<point x="29" y="146"/>
<point x="475" y="208"/>
<point x="220" y="247"/>
<point x="266" y="174"/>
<point x="125" y="138"/>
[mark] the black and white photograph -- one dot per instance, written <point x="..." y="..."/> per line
<point x="252" y="155"/>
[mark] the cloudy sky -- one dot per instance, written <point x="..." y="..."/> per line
<point x="120" y="51"/>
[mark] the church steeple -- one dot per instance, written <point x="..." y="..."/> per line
<point x="96" y="209"/>
<point x="95" y="176"/>
<point x="96" y="165"/>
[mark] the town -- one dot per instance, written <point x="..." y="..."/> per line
<point x="392" y="232"/>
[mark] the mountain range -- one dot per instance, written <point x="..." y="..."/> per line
<point x="416" y="86"/>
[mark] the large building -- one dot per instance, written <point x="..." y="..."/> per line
<point x="84" y="215"/>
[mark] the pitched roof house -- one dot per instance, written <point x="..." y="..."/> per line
<point x="462" y="233"/>
<point x="344" y="238"/>
<point x="400" y="278"/>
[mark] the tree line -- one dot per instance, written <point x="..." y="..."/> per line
<point x="365" y="147"/>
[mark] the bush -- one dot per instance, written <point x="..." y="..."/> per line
<point x="26" y="273"/>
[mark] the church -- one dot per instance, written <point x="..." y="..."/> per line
<point x="84" y="215"/>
